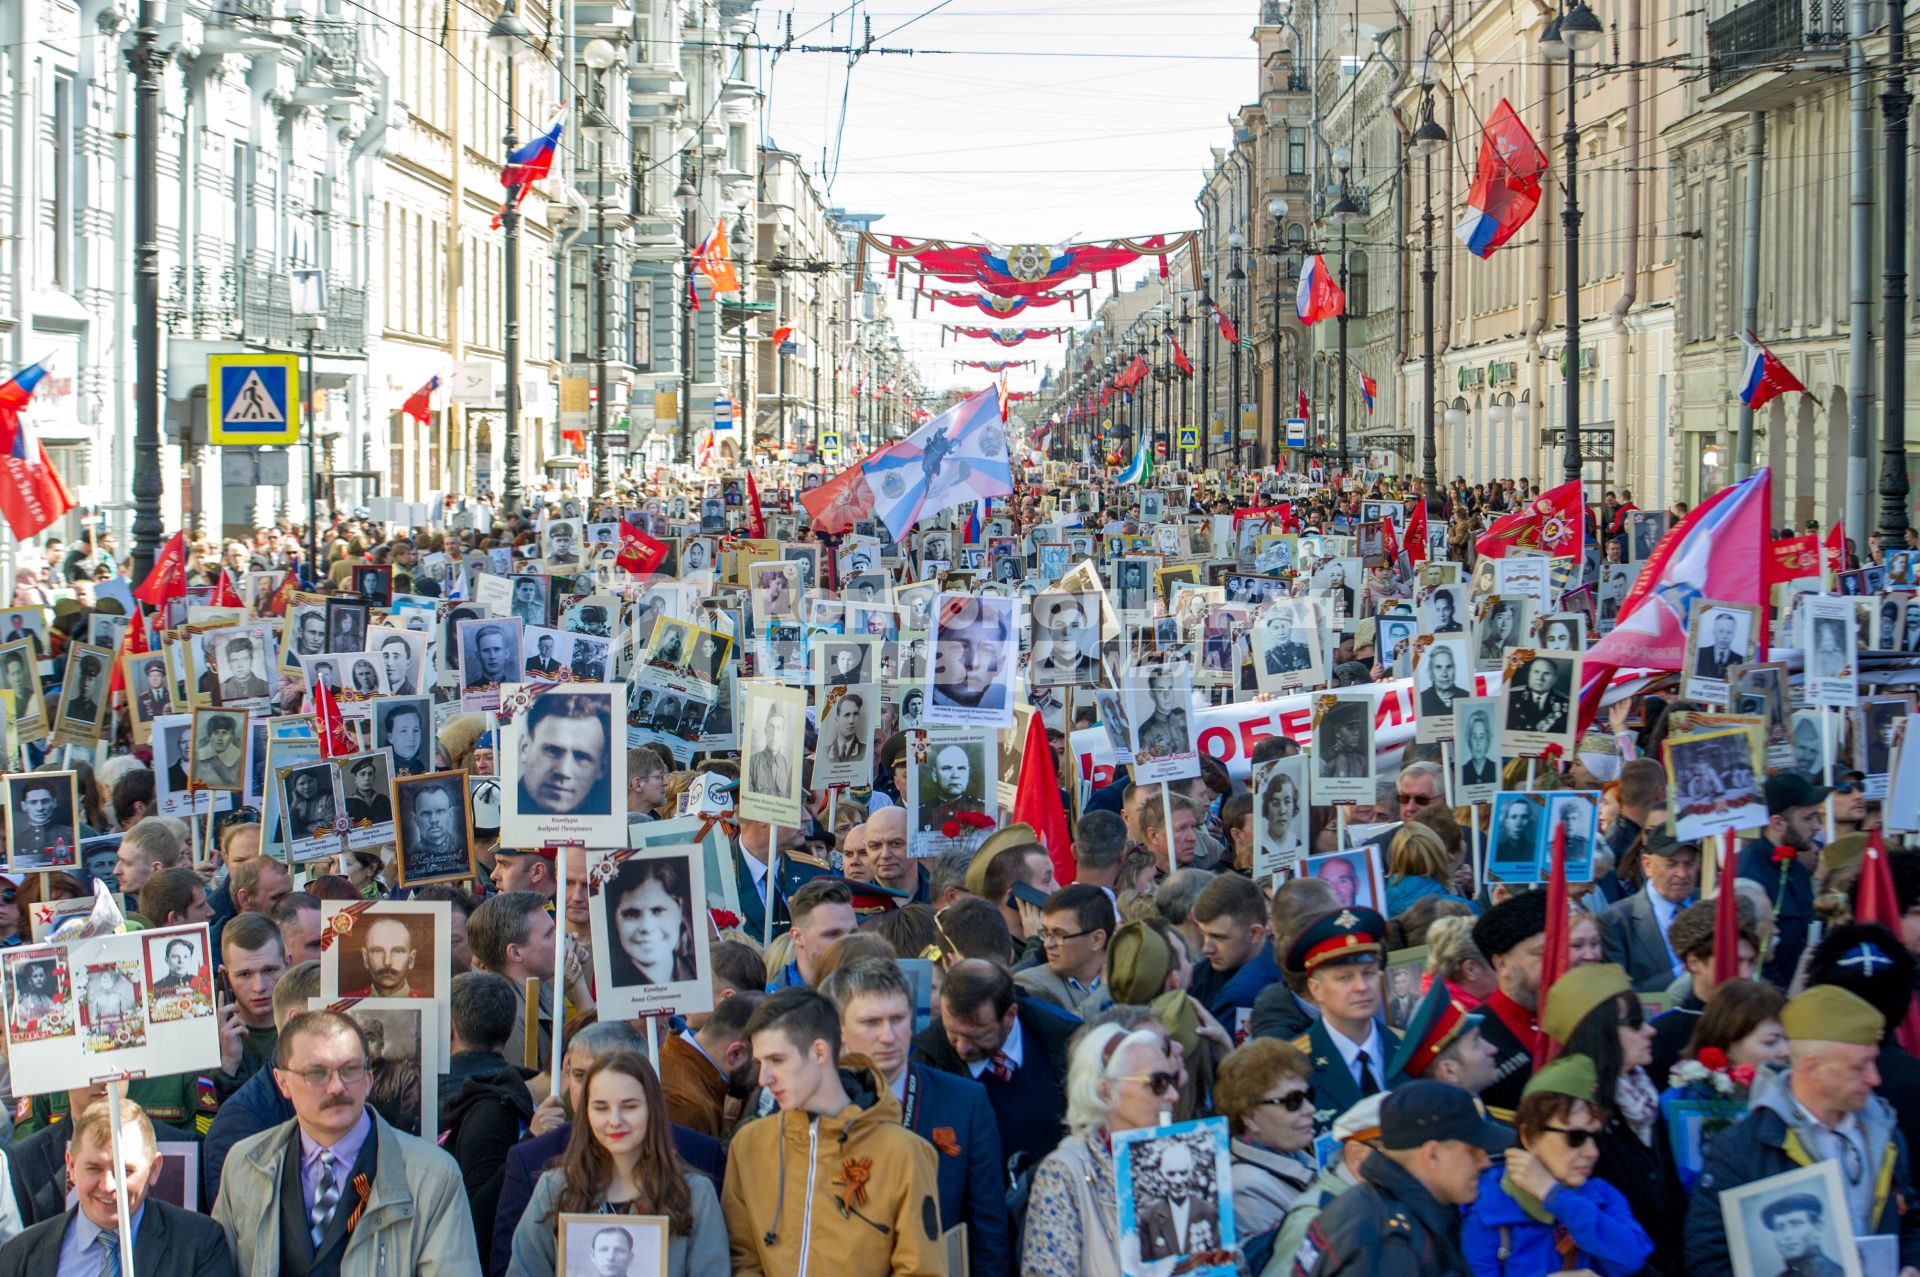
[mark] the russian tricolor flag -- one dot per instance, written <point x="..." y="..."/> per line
<point x="530" y="161"/>
<point x="32" y="494"/>
<point x="1368" y="389"/>
<point x="1765" y="376"/>
<point x="1319" y="297"/>
<point x="1506" y="186"/>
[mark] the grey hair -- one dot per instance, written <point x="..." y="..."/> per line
<point x="1431" y="770"/>
<point x="1095" y="1058"/>
<point x="1179" y="890"/>
<point x="604" y="1037"/>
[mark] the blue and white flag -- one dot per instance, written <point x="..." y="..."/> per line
<point x="958" y="457"/>
<point x="1140" y="469"/>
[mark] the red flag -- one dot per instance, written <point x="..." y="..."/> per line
<point x="1726" y="917"/>
<point x="1792" y="558"/>
<point x="1303" y="406"/>
<point x="32" y="494"/>
<point x="781" y="333"/>
<point x="1389" y="540"/>
<point x="1415" y="542"/>
<point x="575" y="439"/>
<point x="1180" y="359"/>
<point x="1836" y="547"/>
<point x="1319" y="296"/>
<point x="1875" y="902"/>
<point x="835" y="504"/>
<point x="639" y="553"/>
<point x="1228" y="333"/>
<point x="1506" y="189"/>
<point x="168" y="577"/>
<point x="1553" y="522"/>
<point x="226" y="595"/>
<point x="756" y="523"/>
<point x="335" y="740"/>
<point x="1036" y="800"/>
<point x="277" y="606"/>
<point x="419" y="404"/>
<point x="1555" y="956"/>
<point x="1134" y="373"/>
<point x="1764" y="377"/>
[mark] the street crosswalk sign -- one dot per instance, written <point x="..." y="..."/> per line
<point x="1189" y="436"/>
<point x="830" y="441"/>
<point x="253" y="399"/>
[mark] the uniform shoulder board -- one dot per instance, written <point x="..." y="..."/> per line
<point x="1399" y="1222"/>
<point x="1300" y="1043"/>
<point x="1311" y="1248"/>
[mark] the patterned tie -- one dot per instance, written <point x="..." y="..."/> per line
<point x="1002" y="1065"/>
<point x="326" y="1196"/>
<point x="1368" y="1086"/>
<point x="108" y="1244"/>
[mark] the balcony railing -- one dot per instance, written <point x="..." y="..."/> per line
<point x="1765" y="32"/>
<point x="244" y="306"/>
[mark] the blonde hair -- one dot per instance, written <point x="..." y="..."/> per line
<point x="96" y="1122"/>
<point x="1419" y="852"/>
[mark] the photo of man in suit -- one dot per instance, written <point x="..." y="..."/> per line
<point x="1445" y="610"/>
<point x="1538" y="705"/>
<point x="238" y="678"/>
<point x="1724" y="648"/>
<point x="1182" y="1214"/>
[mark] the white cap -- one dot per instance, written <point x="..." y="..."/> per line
<point x="1362" y="1121"/>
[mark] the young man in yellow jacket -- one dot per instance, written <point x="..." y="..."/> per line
<point x="832" y="1184"/>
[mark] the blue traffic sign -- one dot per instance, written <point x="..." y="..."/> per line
<point x="253" y="399"/>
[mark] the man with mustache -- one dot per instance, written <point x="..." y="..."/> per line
<point x="390" y="957"/>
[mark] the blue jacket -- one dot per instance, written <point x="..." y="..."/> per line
<point x="1404" y="889"/>
<point x="1595" y="1215"/>
<point x="257" y="1106"/>
<point x="952" y="1112"/>
<point x="1241" y="988"/>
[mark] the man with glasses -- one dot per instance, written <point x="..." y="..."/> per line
<point x="1633" y="932"/>
<point x="1076" y="924"/>
<point x="337" y="1189"/>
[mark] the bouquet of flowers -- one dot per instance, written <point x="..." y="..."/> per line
<point x="1709" y="1076"/>
<point x="1707" y="1095"/>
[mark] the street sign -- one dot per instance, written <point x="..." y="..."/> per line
<point x="470" y="382"/>
<point x="1296" y="432"/>
<point x="264" y="468"/>
<point x="788" y="347"/>
<point x="830" y="441"/>
<point x="253" y="399"/>
<point x="576" y="395"/>
<point x="1189" y="436"/>
<point x="723" y="414"/>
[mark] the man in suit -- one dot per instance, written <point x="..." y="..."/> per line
<point x="550" y="1129"/>
<point x="85" y="1238"/>
<point x="1537" y="706"/>
<point x="542" y="661"/>
<point x="37" y="1161"/>
<point x="238" y="681"/>
<point x="1633" y="931"/>
<point x="1341" y="954"/>
<point x="950" y="1112"/>
<point x="1437" y="698"/>
<point x="765" y="876"/>
<point x="1013" y="1046"/>
<point x="1713" y="660"/>
<point x="1187" y="1219"/>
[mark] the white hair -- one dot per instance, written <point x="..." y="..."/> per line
<point x="1096" y="1059"/>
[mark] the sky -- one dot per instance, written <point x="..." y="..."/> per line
<point x="1057" y="121"/>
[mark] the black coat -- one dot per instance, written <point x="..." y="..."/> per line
<point x="37" y="1165"/>
<point x="484" y="1109"/>
<point x="171" y="1243"/>
<point x="1387" y="1226"/>
<point x="1646" y="1177"/>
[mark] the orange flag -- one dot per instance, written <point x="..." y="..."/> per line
<point x="715" y="262"/>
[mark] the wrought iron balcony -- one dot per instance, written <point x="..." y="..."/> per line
<point x="1765" y="33"/>
<point x="229" y="305"/>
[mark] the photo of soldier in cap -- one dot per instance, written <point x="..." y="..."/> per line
<point x="219" y="754"/>
<point x="41" y="821"/>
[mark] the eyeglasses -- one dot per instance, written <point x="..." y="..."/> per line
<point x="1158" y="1083"/>
<point x="1049" y="936"/>
<point x="8" y="896"/>
<point x="1291" y="1101"/>
<point x="1846" y="787"/>
<point x="349" y="1075"/>
<point x="1575" y="1139"/>
<point x="1417" y="800"/>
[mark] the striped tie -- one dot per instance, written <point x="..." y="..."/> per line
<point x="326" y="1196"/>
<point x="108" y="1244"/>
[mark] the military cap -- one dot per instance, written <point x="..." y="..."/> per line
<point x="1138" y="963"/>
<point x="1338" y="937"/>
<point x="1511" y="923"/>
<point x="1829" y="1013"/>
<point x="1362" y="1121"/>
<point x="1423" y="1110"/>
<point x="1570" y="1075"/>
<point x="1437" y="1023"/>
<point x="1575" y="994"/>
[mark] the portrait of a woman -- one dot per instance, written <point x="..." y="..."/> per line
<point x="649" y="916"/>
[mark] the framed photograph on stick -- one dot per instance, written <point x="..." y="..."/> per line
<point x="1175" y="1198"/>
<point x="400" y="1033"/>
<point x="434" y="829"/>
<point x="563" y="776"/>
<point x="650" y="930"/>
<point x="388" y="949"/>
<point x="42" y="819"/>
<point x="1342" y="748"/>
<point x="770" y="780"/>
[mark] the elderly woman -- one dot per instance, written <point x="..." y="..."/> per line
<point x="1116" y="1081"/>
<point x="1418" y="864"/>
<point x="1263" y="1091"/>
<point x="1545" y="1189"/>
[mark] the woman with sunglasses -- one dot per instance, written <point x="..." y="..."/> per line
<point x="1418" y="864"/>
<point x="1545" y="1189"/>
<point x="1264" y="1092"/>
<point x="1593" y="1011"/>
<point x="1116" y="1081"/>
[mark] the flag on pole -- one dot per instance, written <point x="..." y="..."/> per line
<point x="419" y="404"/>
<point x="32" y="494"/>
<point x="961" y="455"/>
<point x="835" y="504"/>
<point x="1556" y="954"/>
<point x="1765" y="376"/>
<point x="1876" y="901"/>
<point x="1368" y="389"/>
<point x="335" y="740"/>
<point x="1318" y="297"/>
<point x="1228" y="333"/>
<point x="1140" y="469"/>
<point x="1180" y="359"/>
<point x="529" y="162"/>
<point x="1506" y="188"/>
<point x="639" y="553"/>
<point x="167" y="579"/>
<point x="716" y="263"/>
<point x="756" y="522"/>
<point x="1553" y="522"/>
<point x="1415" y="542"/>
<point x="1036" y="801"/>
<point x="1726" y="914"/>
<point x="781" y="333"/>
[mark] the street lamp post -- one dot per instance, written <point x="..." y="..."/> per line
<point x="600" y="131"/>
<point x="146" y="60"/>
<point x="1206" y="352"/>
<point x="1343" y="214"/>
<point x="1277" y="209"/>
<point x="687" y="196"/>
<point x="1236" y="280"/>
<point x="1895" y="104"/>
<point x="1428" y="138"/>
<point x="513" y="41"/>
<point x="1571" y="34"/>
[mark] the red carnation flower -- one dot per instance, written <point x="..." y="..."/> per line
<point x="950" y="829"/>
<point x="723" y="919"/>
<point x="1742" y="1074"/>
<point x="1783" y="854"/>
<point x="1712" y="1057"/>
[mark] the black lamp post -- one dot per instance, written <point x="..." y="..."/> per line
<point x="1569" y="35"/>
<point x="1236" y="281"/>
<point x="1895" y="104"/>
<point x="600" y="131"/>
<point x="1343" y="214"/>
<point x="1428" y="138"/>
<point x="511" y="39"/>
<point x="147" y="60"/>
<point x="687" y="196"/>
<point x="1277" y="208"/>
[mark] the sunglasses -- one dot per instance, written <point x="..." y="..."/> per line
<point x="1291" y="1101"/>
<point x="1158" y="1083"/>
<point x="1846" y="787"/>
<point x="1634" y="1018"/>
<point x="1417" y="800"/>
<point x="8" y="896"/>
<point x="1576" y="1139"/>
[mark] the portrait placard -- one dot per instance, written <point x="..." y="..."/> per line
<point x="952" y="800"/>
<point x="1286" y="646"/>
<point x="844" y="753"/>
<point x="1342" y="748"/>
<point x="83" y="695"/>
<point x="651" y="930"/>
<point x="489" y="655"/>
<point x="562" y="778"/>
<point x="1065" y="639"/>
<point x="1280" y="817"/>
<point x="1720" y="636"/>
<point x="774" y="731"/>
<point x="1793" y="1222"/>
<point x="400" y="949"/>
<point x="1174" y="1194"/>
<point x="401" y="1033"/>
<point x="975" y="653"/>
<point x="1713" y="785"/>
<point x="217" y="753"/>
<point x="1536" y="701"/>
<point x="1160" y="718"/>
<point x="1353" y="874"/>
<point x="1829" y="640"/>
<point x="312" y="806"/>
<point x="43" y="810"/>
<point x="1442" y="681"/>
<point x="621" y="1245"/>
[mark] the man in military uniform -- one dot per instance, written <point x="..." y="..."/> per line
<point x="1403" y="1218"/>
<point x="1341" y="954"/>
<point x="1284" y="655"/>
<point x="1165" y="731"/>
<point x="41" y="841"/>
<point x="953" y="777"/>
<point x="366" y="805"/>
<point x="1444" y="1043"/>
<point x="589" y="663"/>
<point x="1538" y="707"/>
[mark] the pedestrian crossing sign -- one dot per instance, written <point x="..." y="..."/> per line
<point x="1189" y="436"/>
<point x="830" y="441"/>
<point x="253" y="399"/>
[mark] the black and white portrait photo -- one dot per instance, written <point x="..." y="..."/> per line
<point x="844" y="662"/>
<point x="366" y="784"/>
<point x="1342" y="748"/>
<point x="219" y="749"/>
<point x="1538" y="698"/>
<point x="530" y="602"/>
<point x="1441" y="680"/>
<point x="1644" y="529"/>
<point x="1279" y="816"/>
<point x="489" y="656"/>
<point x="403" y="724"/>
<point x="1160" y="711"/>
<point x="1502" y="625"/>
<point x="1065" y="639"/>
<point x="1797" y="1222"/>
<point x="649" y="916"/>
<point x="1719" y="637"/>
<point x="770" y="777"/>
<point x="1519" y="830"/>
<point x="951" y="796"/>
<point x="1444" y="611"/>
<point x="403" y="655"/>
<point x="601" y="1245"/>
<point x="776" y="590"/>
<point x="1175" y="1195"/>
<point x="179" y="978"/>
<point x="844" y="753"/>
<point x="561" y="769"/>
<point x="560" y="544"/>
<point x="42" y="811"/>
<point x="83" y="696"/>
<point x="974" y="657"/>
<point x="1830" y="641"/>
<point x="346" y="625"/>
<point x="311" y="803"/>
<point x="1286" y="646"/>
<point x="1476" y="750"/>
<point x="373" y="582"/>
<point x="434" y="828"/>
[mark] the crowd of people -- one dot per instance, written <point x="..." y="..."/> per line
<point x="1140" y="999"/>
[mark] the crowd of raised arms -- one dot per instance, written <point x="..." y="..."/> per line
<point x="1227" y="873"/>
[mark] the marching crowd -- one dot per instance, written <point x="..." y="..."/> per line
<point x="1402" y="1089"/>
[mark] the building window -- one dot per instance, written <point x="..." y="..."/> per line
<point x="1297" y="152"/>
<point x="640" y="331"/>
<point x="1356" y="285"/>
<point x="737" y="147"/>
<point x="60" y="185"/>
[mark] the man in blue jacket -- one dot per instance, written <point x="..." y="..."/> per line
<point x="1237" y="951"/>
<point x="950" y="1112"/>
<point x="1822" y="1110"/>
<point x="549" y="1132"/>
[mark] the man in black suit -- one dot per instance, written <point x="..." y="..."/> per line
<point x="168" y="1241"/>
<point x="1712" y="661"/>
<point x="1537" y="706"/>
<point x="1187" y="1220"/>
<point x="1633" y="931"/>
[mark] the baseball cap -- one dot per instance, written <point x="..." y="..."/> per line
<point x="1422" y="1110"/>
<point x="1789" y="789"/>
<point x="1362" y="1121"/>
